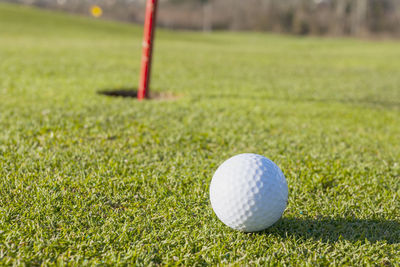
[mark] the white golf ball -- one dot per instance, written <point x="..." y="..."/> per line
<point x="248" y="192"/>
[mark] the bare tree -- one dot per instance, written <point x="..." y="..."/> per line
<point x="359" y="17"/>
<point x="340" y="16"/>
<point x="207" y="15"/>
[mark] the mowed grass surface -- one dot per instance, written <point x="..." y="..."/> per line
<point x="88" y="179"/>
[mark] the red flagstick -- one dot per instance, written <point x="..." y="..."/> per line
<point x="149" y="29"/>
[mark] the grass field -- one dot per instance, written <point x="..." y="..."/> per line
<point x="88" y="179"/>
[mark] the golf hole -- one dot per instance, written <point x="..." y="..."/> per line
<point x="133" y="93"/>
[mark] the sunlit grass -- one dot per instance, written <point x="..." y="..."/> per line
<point x="88" y="179"/>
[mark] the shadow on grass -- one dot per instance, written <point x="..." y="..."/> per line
<point x="332" y="230"/>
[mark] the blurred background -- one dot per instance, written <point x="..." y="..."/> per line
<point x="364" y="18"/>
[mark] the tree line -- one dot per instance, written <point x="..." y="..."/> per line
<point x="301" y="17"/>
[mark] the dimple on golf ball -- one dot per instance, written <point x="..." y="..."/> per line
<point x="248" y="192"/>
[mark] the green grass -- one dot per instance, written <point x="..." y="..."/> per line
<point x="86" y="179"/>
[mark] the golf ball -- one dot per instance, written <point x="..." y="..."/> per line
<point x="248" y="192"/>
